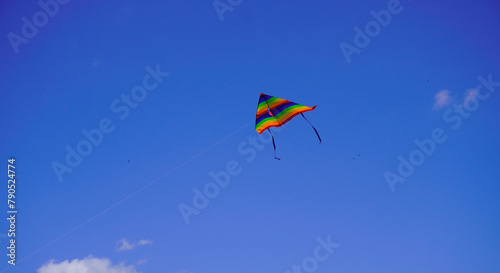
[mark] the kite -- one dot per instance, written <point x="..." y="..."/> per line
<point x="275" y="112"/>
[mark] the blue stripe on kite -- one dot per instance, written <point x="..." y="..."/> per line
<point x="279" y="109"/>
<point x="261" y="117"/>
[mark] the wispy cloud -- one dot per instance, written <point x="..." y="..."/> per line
<point x="144" y="242"/>
<point x="141" y="262"/>
<point x="470" y="95"/>
<point x="96" y="62"/>
<point x="88" y="264"/>
<point x="441" y="99"/>
<point x="124" y="244"/>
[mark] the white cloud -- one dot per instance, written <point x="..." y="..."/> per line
<point x="86" y="265"/>
<point x="124" y="244"/>
<point x="441" y="99"/>
<point x="141" y="262"/>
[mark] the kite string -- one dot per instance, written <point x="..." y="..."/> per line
<point x="126" y="198"/>
<point x="313" y="127"/>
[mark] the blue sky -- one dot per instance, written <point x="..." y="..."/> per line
<point x="321" y="208"/>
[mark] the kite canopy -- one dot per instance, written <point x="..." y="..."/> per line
<point x="275" y="112"/>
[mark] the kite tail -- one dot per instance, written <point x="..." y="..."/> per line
<point x="274" y="145"/>
<point x="313" y="128"/>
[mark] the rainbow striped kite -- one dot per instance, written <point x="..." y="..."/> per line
<point x="275" y="112"/>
